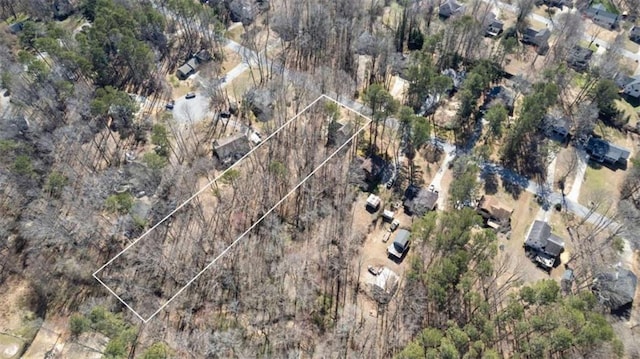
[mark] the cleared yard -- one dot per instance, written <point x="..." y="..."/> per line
<point x="599" y="32"/>
<point x="511" y="247"/>
<point x="566" y="167"/>
<point x="628" y="111"/>
<point x="631" y="46"/>
<point x="600" y="183"/>
<point x="235" y="32"/>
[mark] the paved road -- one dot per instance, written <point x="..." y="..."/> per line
<point x="450" y="150"/>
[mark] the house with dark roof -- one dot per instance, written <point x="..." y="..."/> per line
<point x="501" y="95"/>
<point x="496" y="215"/>
<point x="556" y="126"/>
<point x="542" y="246"/>
<point x="457" y="77"/>
<point x="602" y="151"/>
<point x="630" y="85"/>
<point x="555" y="3"/>
<point x="491" y="25"/>
<point x="579" y="58"/>
<point x="493" y="28"/>
<point x="634" y="34"/>
<point x="601" y="17"/>
<point x="450" y="8"/>
<point x="616" y="290"/>
<point x="419" y="201"/>
<point x="191" y="66"/>
<point x="537" y="38"/>
<point x="203" y="56"/>
<point x="16" y="27"/>
<point x="231" y="148"/>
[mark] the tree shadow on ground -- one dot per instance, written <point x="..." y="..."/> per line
<point x="490" y="183"/>
<point x="512" y="188"/>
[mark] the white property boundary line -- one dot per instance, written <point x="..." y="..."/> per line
<point x="233" y="244"/>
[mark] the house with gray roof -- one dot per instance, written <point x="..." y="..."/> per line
<point x="634" y="34"/>
<point x="616" y="290"/>
<point x="232" y="148"/>
<point x="543" y="246"/>
<point x="602" y="151"/>
<point x="501" y="95"/>
<point x="555" y="3"/>
<point x="450" y="8"/>
<point x="537" y="38"/>
<point x="491" y="25"/>
<point x="601" y="17"/>
<point x="555" y="126"/>
<point x="579" y="58"/>
<point x="630" y="85"/>
<point x="419" y="201"/>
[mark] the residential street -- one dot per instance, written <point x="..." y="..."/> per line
<point x="199" y="109"/>
<point x="545" y="20"/>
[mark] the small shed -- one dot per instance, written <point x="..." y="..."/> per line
<point x="384" y="285"/>
<point x="373" y="202"/>
<point x="567" y="280"/>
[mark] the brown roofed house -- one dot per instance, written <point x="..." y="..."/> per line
<point x="495" y="213"/>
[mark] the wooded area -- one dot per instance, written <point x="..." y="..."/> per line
<point x="94" y="155"/>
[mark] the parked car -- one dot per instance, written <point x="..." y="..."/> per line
<point x="190" y="95"/>
<point x="170" y="104"/>
<point x="375" y="270"/>
<point x="394" y="225"/>
<point x="432" y="188"/>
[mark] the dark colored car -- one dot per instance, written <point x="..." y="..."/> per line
<point x="170" y="104"/>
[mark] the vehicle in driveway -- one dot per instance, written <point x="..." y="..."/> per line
<point x="394" y="225"/>
<point x="169" y="105"/>
<point x="190" y="95"/>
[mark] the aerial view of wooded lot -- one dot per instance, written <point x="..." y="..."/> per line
<point x="319" y="179"/>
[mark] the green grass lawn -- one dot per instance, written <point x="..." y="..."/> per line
<point x="609" y="133"/>
<point x="586" y="44"/>
<point x="597" y="184"/>
<point x="628" y="110"/>
<point x="608" y="4"/>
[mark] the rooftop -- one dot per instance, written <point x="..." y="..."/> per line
<point x="601" y="149"/>
<point x="495" y="208"/>
<point x="541" y="239"/>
